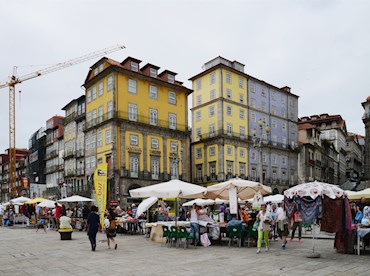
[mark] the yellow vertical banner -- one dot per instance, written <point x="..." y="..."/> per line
<point x="100" y="185"/>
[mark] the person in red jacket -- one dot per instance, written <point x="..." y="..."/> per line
<point x="58" y="213"/>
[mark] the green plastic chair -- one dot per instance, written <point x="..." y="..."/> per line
<point x="235" y="232"/>
<point x="251" y="234"/>
<point x="183" y="234"/>
<point x="174" y="235"/>
<point x="166" y="234"/>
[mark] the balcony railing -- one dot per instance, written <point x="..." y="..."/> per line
<point x="51" y="154"/>
<point x="70" y="118"/>
<point x="69" y="153"/>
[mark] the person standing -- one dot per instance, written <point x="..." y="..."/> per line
<point x="264" y="228"/>
<point x="93" y="226"/>
<point x="85" y="213"/>
<point x="58" y="214"/>
<point x="297" y="223"/>
<point x="282" y="224"/>
<point x="110" y="228"/>
<point x="194" y="223"/>
<point x="273" y="216"/>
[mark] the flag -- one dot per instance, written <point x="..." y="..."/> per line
<point x="100" y="185"/>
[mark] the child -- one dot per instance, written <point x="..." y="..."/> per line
<point x="41" y="224"/>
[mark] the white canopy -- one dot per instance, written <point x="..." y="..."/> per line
<point x="173" y="189"/>
<point x="19" y="200"/>
<point x="145" y="205"/>
<point x="314" y="189"/>
<point x="47" y="204"/>
<point x="245" y="189"/>
<point x="199" y="202"/>
<point x="273" y="198"/>
<point x="358" y="195"/>
<point x="75" y="198"/>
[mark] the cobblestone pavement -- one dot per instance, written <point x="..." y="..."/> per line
<point x="25" y="252"/>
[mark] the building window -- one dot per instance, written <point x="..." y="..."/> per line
<point x="228" y="78"/>
<point x="241" y="82"/>
<point x="230" y="169"/>
<point x="264" y="106"/>
<point x="283" y="161"/>
<point x="171" y="97"/>
<point x="264" y="158"/>
<point x="273" y="110"/>
<point x="212" y="78"/>
<point x="273" y="95"/>
<point x="241" y="113"/>
<point x="273" y="124"/>
<point x="96" y="71"/>
<point x="273" y="159"/>
<point x="241" y="98"/>
<point x="134" y="66"/>
<point x="172" y="121"/>
<point x="254" y="174"/>
<point x="174" y="169"/>
<point x="229" y="128"/>
<point x="110" y="109"/>
<point x="283" y="126"/>
<point x="263" y="92"/>
<point x="108" y="136"/>
<point x="171" y="78"/>
<point x="283" y="113"/>
<point x="132" y="112"/>
<point x="132" y="86"/>
<point x="229" y="110"/>
<point x="213" y="94"/>
<point x="254" y="156"/>
<point x="153" y="116"/>
<point x="199" y="99"/>
<point x="211" y="130"/>
<point x="253" y="102"/>
<point x="212" y="170"/>
<point x="110" y="83"/>
<point x="211" y="111"/>
<point x="88" y="96"/>
<point x="100" y="88"/>
<point x="100" y="114"/>
<point x="253" y="117"/>
<point x="199" y="153"/>
<point x="198" y="115"/>
<point x="199" y="132"/>
<point x="199" y="84"/>
<point x="212" y="151"/>
<point x="199" y="173"/>
<point x="242" y="153"/>
<point x="252" y="87"/>
<point x="242" y="131"/>
<point x="153" y="92"/>
<point x="242" y="169"/>
<point x="228" y="94"/>
<point x="153" y="72"/>
<point x="99" y="140"/>
<point x="173" y="146"/>
<point x="229" y="151"/>
<point x="155" y="169"/>
<point x="284" y="142"/>
<point x="155" y="143"/>
<point x="134" y="140"/>
<point x="134" y="166"/>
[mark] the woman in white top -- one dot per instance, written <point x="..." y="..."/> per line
<point x="194" y="222"/>
<point x="282" y="224"/>
<point x="264" y="228"/>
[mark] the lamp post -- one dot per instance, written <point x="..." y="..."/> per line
<point x="259" y="142"/>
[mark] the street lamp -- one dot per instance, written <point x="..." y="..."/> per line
<point x="259" y="141"/>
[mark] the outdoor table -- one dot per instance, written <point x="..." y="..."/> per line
<point x="361" y="233"/>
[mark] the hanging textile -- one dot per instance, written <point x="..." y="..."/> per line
<point x="290" y="207"/>
<point x="332" y="216"/>
<point x="310" y="209"/>
<point x="348" y="215"/>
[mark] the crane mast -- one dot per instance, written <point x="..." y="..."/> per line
<point x="13" y="80"/>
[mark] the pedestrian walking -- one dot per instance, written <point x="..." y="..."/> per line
<point x="93" y="225"/>
<point x="110" y="228"/>
<point x="297" y="223"/>
<point x="282" y="224"/>
<point x="264" y="228"/>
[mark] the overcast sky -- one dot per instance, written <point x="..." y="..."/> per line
<point x="318" y="48"/>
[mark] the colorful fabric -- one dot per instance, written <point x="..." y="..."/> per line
<point x="332" y="217"/>
<point x="290" y="207"/>
<point x="366" y="212"/>
<point x="314" y="189"/>
<point x="347" y="215"/>
<point x="310" y="209"/>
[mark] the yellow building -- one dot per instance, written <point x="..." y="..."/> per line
<point x="136" y="121"/>
<point x="220" y="123"/>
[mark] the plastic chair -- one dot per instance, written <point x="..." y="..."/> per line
<point x="235" y="232"/>
<point x="307" y="227"/>
<point x="174" y="235"/>
<point x="251" y="234"/>
<point x="183" y="234"/>
<point x="166" y="233"/>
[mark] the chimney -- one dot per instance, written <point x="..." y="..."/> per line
<point x="286" y="89"/>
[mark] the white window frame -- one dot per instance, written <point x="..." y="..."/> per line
<point x="199" y="99"/>
<point x="241" y="113"/>
<point x="229" y="128"/>
<point x="88" y="96"/>
<point x="171" y="78"/>
<point x="100" y="114"/>
<point x="99" y="140"/>
<point x="228" y="77"/>
<point x="134" y="140"/>
<point x="229" y="94"/>
<point x="108" y="136"/>
<point x="134" y="66"/>
<point x="153" y="116"/>
<point x="229" y="110"/>
<point x="253" y="102"/>
<point x="153" y="92"/>
<point x="132" y="112"/>
<point x="153" y="72"/>
<point x="100" y="88"/>
<point x="253" y="117"/>
<point x="154" y="143"/>
<point x="264" y="106"/>
<point x="229" y="151"/>
<point x="242" y="131"/>
<point x="132" y="86"/>
<point x="110" y="109"/>
<point x="173" y="146"/>
<point x="212" y="151"/>
<point x="212" y="94"/>
<point x="171" y="97"/>
<point x="198" y="153"/>
<point x="198" y="115"/>
<point x="172" y="120"/>
<point x="242" y="153"/>
<point x="241" y="98"/>
<point x="155" y="168"/>
<point x="198" y="84"/>
<point x="211" y="130"/>
<point x="134" y="166"/>
<point x="110" y="83"/>
<point x="198" y="132"/>
<point x="211" y="111"/>
<point x="241" y="82"/>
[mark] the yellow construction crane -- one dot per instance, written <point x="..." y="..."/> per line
<point x="13" y="80"/>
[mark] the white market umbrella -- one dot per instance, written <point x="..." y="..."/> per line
<point x="199" y="202"/>
<point x="314" y="190"/>
<point x="245" y="189"/>
<point x="145" y="205"/>
<point x="358" y="195"/>
<point x="19" y="200"/>
<point x="173" y="189"/>
<point x="75" y="198"/>
<point x="47" y="204"/>
<point x="273" y="198"/>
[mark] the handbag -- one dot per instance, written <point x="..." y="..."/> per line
<point x="255" y="225"/>
<point x="204" y="240"/>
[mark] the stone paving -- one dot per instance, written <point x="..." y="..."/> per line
<point x="25" y="252"/>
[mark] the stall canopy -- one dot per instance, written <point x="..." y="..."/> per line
<point x="75" y="198"/>
<point x="244" y="188"/>
<point x="35" y="200"/>
<point x="199" y="202"/>
<point x="47" y="204"/>
<point x="314" y="189"/>
<point x="145" y="205"/>
<point x="171" y="189"/>
<point x="358" y="195"/>
<point x="19" y="200"/>
<point x="273" y="198"/>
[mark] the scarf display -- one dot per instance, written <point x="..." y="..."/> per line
<point x="290" y="207"/>
<point x="332" y="217"/>
<point x="310" y="209"/>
